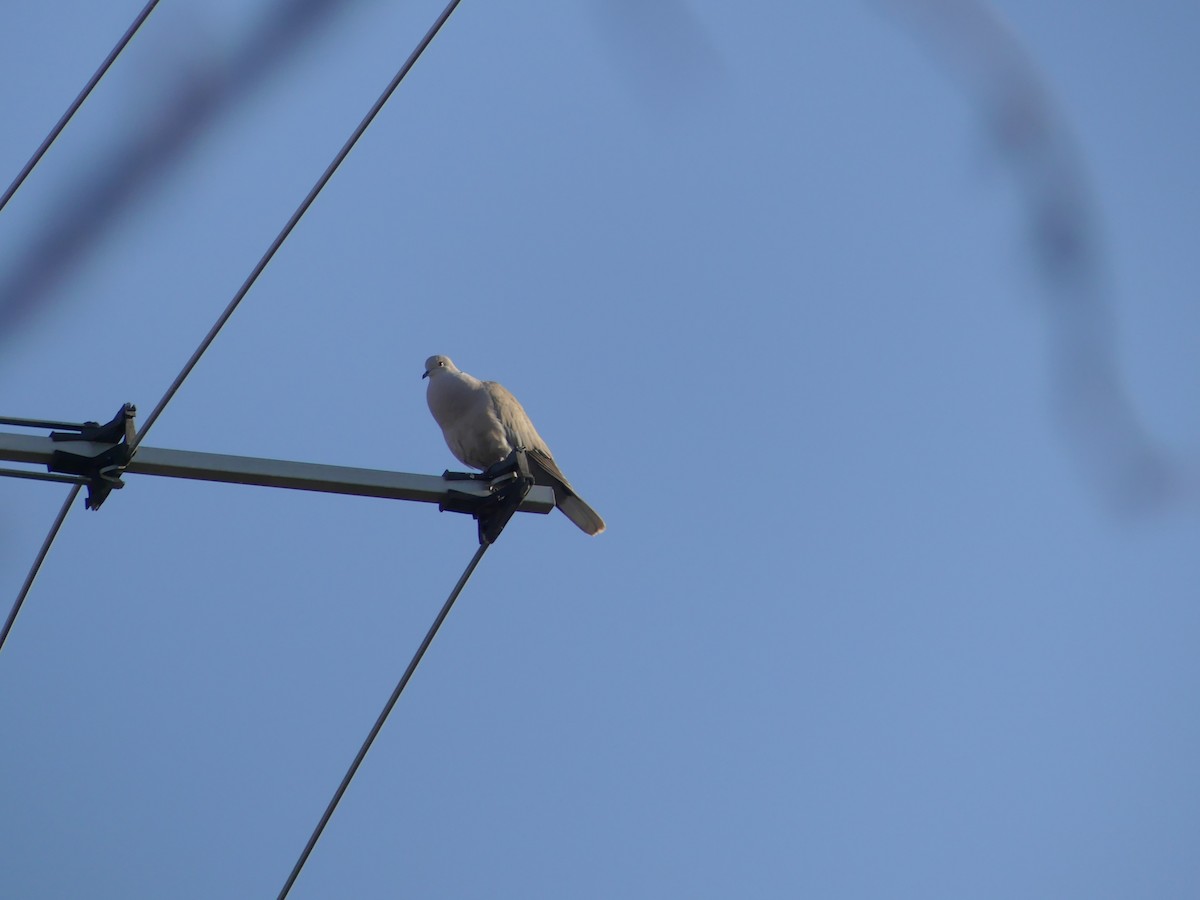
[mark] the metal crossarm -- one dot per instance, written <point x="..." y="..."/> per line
<point x="35" y="450"/>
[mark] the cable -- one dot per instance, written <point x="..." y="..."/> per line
<point x="8" y="195"/>
<point x="43" y="476"/>
<point x="41" y="423"/>
<point x="412" y="667"/>
<point x="246" y="285"/>
<point x="296" y="216"/>
<point x="37" y="563"/>
<point x="78" y="102"/>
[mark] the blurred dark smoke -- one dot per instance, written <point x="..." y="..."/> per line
<point x="663" y="49"/>
<point x="1061" y="228"/>
<point x="131" y="171"/>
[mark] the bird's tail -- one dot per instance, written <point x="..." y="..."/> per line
<point x="579" y="512"/>
<point x="546" y="471"/>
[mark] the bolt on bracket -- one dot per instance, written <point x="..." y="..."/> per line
<point x="508" y="480"/>
<point x="101" y="469"/>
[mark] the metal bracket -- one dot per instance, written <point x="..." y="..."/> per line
<point x="102" y="470"/>
<point x="508" y="480"/>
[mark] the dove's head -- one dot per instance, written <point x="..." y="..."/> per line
<point x="436" y="364"/>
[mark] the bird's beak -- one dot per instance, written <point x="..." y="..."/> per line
<point x="425" y="374"/>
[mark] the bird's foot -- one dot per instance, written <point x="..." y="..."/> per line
<point x="509" y="465"/>
<point x="464" y="476"/>
<point x="508" y="481"/>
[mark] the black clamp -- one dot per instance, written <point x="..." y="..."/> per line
<point x="102" y="470"/>
<point x="509" y="482"/>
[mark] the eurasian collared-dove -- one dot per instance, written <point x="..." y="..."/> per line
<point x="483" y="423"/>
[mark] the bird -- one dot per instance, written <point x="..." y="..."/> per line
<point x="483" y="423"/>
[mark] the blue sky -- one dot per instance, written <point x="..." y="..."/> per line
<point x="866" y="622"/>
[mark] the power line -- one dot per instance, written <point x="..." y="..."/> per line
<point x="78" y="102"/>
<point x="296" y="216"/>
<point x="43" y="476"/>
<point x="241" y="293"/>
<point x="412" y="667"/>
<point x="37" y="563"/>
<point x="8" y="195"/>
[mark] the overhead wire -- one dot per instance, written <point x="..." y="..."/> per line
<point x="8" y="195"/>
<point x="77" y="102"/>
<point x="43" y="476"/>
<point x="241" y="293"/>
<point x="378" y="726"/>
<point x="29" y="166"/>
<point x="37" y="563"/>
<point x="296" y="216"/>
<point x="184" y="104"/>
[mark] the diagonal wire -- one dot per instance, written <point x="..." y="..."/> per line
<point x="296" y="216"/>
<point x="8" y="195"/>
<point x="78" y="102"/>
<point x="241" y="293"/>
<point x="37" y="563"/>
<point x="412" y="667"/>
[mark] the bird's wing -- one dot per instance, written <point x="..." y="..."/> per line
<point x="546" y="471"/>
<point x="547" y="464"/>
<point x="515" y="420"/>
<point x="521" y="433"/>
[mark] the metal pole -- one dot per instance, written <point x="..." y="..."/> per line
<point x="281" y="473"/>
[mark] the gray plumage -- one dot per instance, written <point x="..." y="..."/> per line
<point x="483" y="423"/>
